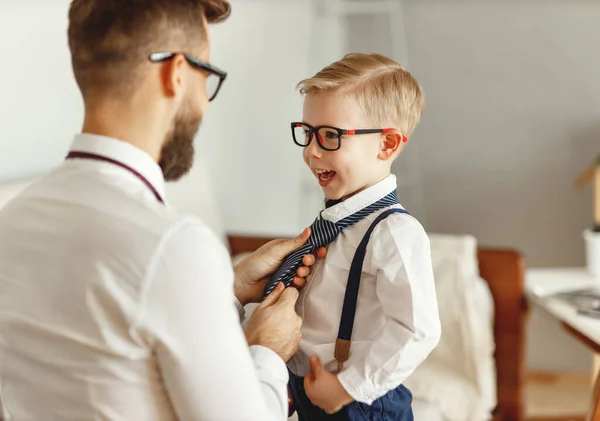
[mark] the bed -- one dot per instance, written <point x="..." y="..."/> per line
<point x="502" y="269"/>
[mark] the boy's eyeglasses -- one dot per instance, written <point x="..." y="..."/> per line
<point x="215" y="77"/>
<point x="328" y="138"/>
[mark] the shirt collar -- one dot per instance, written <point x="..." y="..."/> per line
<point x="124" y="153"/>
<point x="360" y="200"/>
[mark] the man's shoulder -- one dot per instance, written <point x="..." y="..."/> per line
<point x="111" y="215"/>
<point x="170" y="227"/>
<point x="188" y="227"/>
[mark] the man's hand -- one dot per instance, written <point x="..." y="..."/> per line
<point x="324" y="389"/>
<point x="275" y="323"/>
<point x="251" y="275"/>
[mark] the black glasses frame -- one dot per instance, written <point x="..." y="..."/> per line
<point x="314" y="131"/>
<point x="196" y="63"/>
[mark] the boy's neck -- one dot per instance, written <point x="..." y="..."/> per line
<point x="348" y="196"/>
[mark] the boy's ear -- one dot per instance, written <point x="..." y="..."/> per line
<point x="392" y="145"/>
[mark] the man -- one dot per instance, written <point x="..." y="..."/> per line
<point x="112" y="305"/>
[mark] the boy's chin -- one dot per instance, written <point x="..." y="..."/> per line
<point x="334" y="194"/>
<point x="330" y="196"/>
<point x="340" y="193"/>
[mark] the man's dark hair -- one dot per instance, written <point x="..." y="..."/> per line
<point x="110" y="38"/>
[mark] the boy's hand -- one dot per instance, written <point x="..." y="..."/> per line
<point x="251" y="274"/>
<point x="324" y="389"/>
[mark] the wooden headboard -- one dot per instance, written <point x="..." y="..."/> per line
<point x="504" y="271"/>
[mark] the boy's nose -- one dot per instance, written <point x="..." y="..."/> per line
<point x="313" y="150"/>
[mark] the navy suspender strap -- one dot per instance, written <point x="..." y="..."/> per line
<point x="343" y="342"/>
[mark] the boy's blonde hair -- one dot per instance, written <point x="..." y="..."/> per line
<point x="386" y="92"/>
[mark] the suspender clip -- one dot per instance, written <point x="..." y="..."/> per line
<point x="342" y="352"/>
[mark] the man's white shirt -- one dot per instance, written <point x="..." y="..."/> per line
<point x="113" y="306"/>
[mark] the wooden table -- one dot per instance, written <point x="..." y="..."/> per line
<point x="539" y="284"/>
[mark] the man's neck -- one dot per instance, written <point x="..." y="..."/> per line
<point x="122" y="124"/>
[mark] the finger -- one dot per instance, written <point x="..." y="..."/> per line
<point x="274" y="296"/>
<point x="298" y="282"/>
<point x="308" y="382"/>
<point x="321" y="253"/>
<point x="315" y="365"/>
<point x="308" y="260"/>
<point x="303" y="271"/>
<point x="289" y="296"/>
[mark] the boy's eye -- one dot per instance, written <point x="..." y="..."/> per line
<point x="331" y="135"/>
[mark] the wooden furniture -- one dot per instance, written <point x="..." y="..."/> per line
<point x="504" y="271"/>
<point x="540" y="283"/>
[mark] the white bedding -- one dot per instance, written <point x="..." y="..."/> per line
<point x="458" y="381"/>
<point x="426" y="411"/>
<point x="459" y="375"/>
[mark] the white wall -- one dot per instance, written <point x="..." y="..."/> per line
<point x="513" y="115"/>
<point x="267" y="47"/>
<point x="244" y="146"/>
<point x="40" y="107"/>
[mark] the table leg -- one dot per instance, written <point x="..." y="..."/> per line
<point x="593" y="413"/>
<point x="594" y="409"/>
<point x="595" y="367"/>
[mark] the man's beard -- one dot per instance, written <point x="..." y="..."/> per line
<point x="177" y="155"/>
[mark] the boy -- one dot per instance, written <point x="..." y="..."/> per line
<point x="360" y="344"/>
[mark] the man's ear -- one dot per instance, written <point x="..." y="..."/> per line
<point x="392" y="145"/>
<point x="172" y="76"/>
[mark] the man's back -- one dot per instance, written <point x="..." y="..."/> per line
<point x="74" y="252"/>
<point x="115" y="307"/>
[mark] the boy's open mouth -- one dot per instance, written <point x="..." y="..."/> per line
<point x="325" y="176"/>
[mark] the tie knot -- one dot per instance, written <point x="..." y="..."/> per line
<point x="323" y="232"/>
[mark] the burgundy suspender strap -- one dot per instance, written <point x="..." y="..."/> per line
<point x="86" y="155"/>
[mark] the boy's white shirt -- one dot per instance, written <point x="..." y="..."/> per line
<point x="397" y="323"/>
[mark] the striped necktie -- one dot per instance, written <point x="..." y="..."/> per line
<point x="323" y="232"/>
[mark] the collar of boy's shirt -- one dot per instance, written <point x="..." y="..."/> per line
<point x="123" y="152"/>
<point x="342" y="209"/>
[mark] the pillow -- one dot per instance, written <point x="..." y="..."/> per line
<point x="459" y="375"/>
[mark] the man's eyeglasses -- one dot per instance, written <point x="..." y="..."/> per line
<point x="328" y="138"/>
<point x="215" y="77"/>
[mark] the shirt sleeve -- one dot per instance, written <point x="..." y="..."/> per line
<point x="208" y="370"/>
<point x="400" y="254"/>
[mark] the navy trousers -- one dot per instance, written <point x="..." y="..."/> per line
<point x="394" y="406"/>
